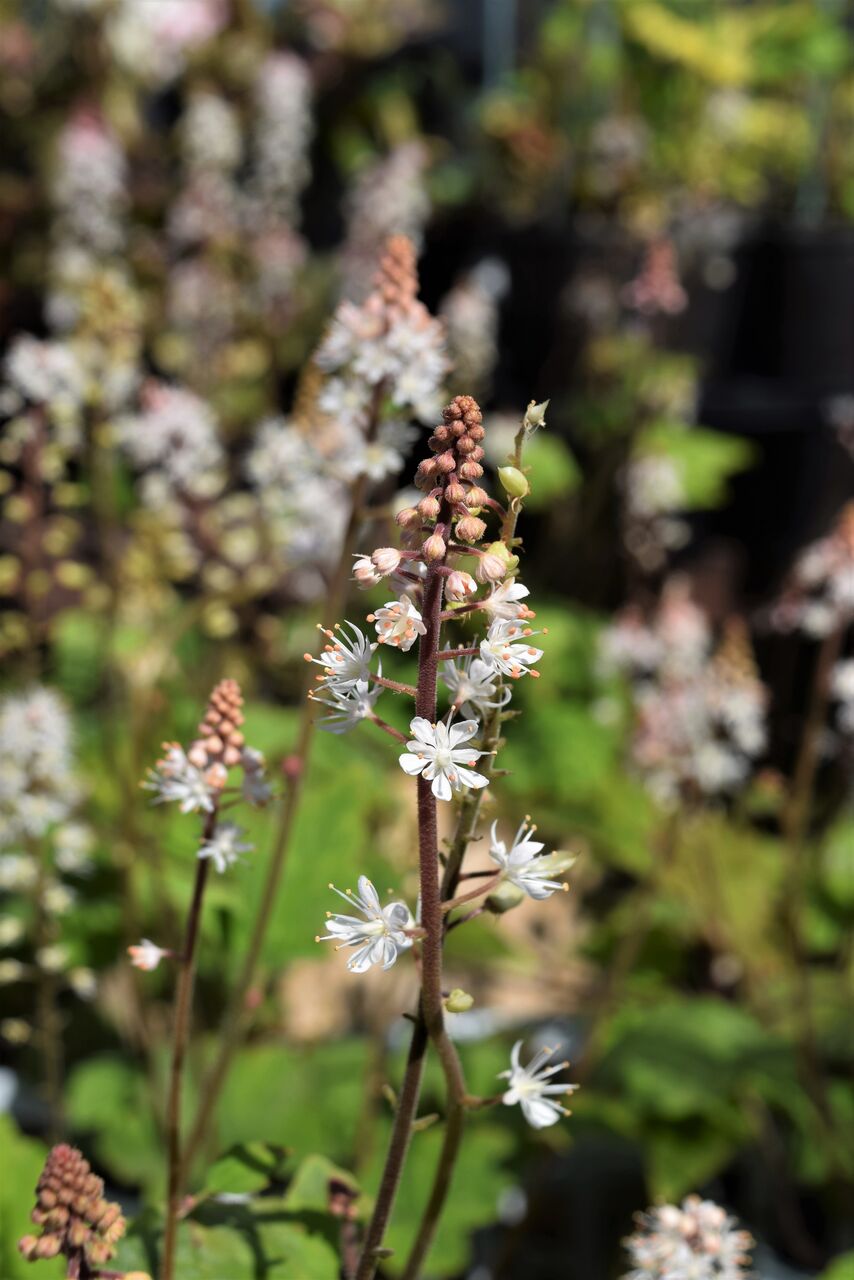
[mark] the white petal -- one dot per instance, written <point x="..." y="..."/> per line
<point x="469" y="778"/>
<point x="411" y="764"/>
<point x="463" y="731"/>
<point x="369" y="895"/>
<point x="423" y="730"/>
<point x="441" y="787"/>
<point x="539" y="1113"/>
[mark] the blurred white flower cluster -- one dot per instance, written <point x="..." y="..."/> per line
<point x="654" y="491"/>
<point x="695" y="1241"/>
<point x="819" y="596"/>
<point x="388" y="198"/>
<point x="700" y="712"/>
<point x="37" y="785"/>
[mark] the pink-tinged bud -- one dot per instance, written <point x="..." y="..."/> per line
<point x="408" y="518"/>
<point x="429" y="508"/>
<point x="434" y="548"/>
<point x="455" y="493"/>
<point x="465" y="444"/>
<point x="490" y="568"/>
<point x="476" y="496"/>
<point x="476" y="432"/>
<point x="458" y="428"/>
<point x="470" y="529"/>
<point x="477" y="454"/>
<point x="424" y="476"/>
<point x="460" y="585"/>
<point x="471" y="470"/>
<point x="27" y="1246"/>
<point x="365" y="573"/>
<point x="440" y="438"/>
<point x="446" y="462"/>
<point x="78" y="1234"/>
<point x="386" y="560"/>
<point x="47" y="1247"/>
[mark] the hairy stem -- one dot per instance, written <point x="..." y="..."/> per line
<point x="181" y="1035"/>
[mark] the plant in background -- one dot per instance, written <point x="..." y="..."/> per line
<point x="698" y="1239"/>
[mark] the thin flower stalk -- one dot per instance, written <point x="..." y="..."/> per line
<point x="395" y="303"/>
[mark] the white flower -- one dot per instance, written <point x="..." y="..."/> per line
<point x="398" y="623"/>
<point x="380" y="936"/>
<point x="842" y="680"/>
<point x="473" y="686"/>
<point x="175" y="778"/>
<point x="349" y="706"/>
<point x="697" y="1241"/>
<point x="529" y="1088"/>
<point x="346" y="661"/>
<point x="437" y="753"/>
<point x="365" y="573"/>
<point x="522" y="866"/>
<point x="146" y="955"/>
<point x="225" y="846"/>
<point x="503" y="651"/>
<point x="504" y="603"/>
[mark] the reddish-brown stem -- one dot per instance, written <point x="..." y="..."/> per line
<point x="448" y="655"/>
<point x="478" y="892"/>
<point x="180" y="1038"/>
<point x="395" y="685"/>
<point x="387" y="728"/>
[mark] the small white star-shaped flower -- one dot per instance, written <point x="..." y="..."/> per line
<point x="523" y="866"/>
<point x="349" y="707"/>
<point x="346" y="660"/>
<point x="506" y="649"/>
<point x="505" y="602"/>
<point x="529" y="1088"/>
<point x="398" y="623"/>
<point x="380" y="936"/>
<point x="175" y="778"/>
<point x="225" y="846"/>
<point x="437" y="752"/>
<point x="146" y="955"/>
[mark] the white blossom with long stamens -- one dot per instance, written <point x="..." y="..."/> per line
<point x="506" y="649"/>
<point x="473" y="686"/>
<point x="505" y="602"/>
<point x="531" y="1090"/>
<point x="398" y="623"/>
<point x="523" y="865"/>
<point x="437" y="752"/>
<point x="174" y="778"/>
<point x="349" y="707"/>
<point x="146" y="955"/>
<point x="698" y="1240"/>
<point x="346" y="660"/>
<point x="379" y="937"/>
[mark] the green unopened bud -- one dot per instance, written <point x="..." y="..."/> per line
<point x="458" y="1001"/>
<point x="514" y="482"/>
<point x="425" y="1122"/>
<point x="504" y="898"/>
<point x="535" y="415"/>
<point x="502" y="551"/>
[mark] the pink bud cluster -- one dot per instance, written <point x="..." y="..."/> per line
<point x="74" y="1217"/>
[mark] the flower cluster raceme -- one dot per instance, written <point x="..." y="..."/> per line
<point x="697" y="1240"/>
<point x="819" y="596"/>
<point x="388" y="199"/>
<point x="38" y="789"/>
<point x="452" y="754"/>
<point x="700" y="712"/>
<point x="75" y="1219"/>
<point x="196" y="779"/>
<point x="654" y="490"/>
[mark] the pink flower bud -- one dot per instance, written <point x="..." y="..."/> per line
<point x="385" y="560"/>
<point x="429" y="508"/>
<point x="365" y="573"/>
<point x="470" y="529"/>
<point x="408" y="518"/>
<point x="476" y="496"/>
<point x="465" y="444"/>
<point x="460" y="585"/>
<point x="434" y="548"/>
<point x="471" y="470"/>
<point x="446" y="462"/>
<point x="490" y="568"/>
<point x="455" y="493"/>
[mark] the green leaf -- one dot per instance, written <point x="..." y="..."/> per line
<point x="837" y="863"/>
<point x="110" y="1099"/>
<point x="245" y="1168"/>
<point x="705" y="460"/>
<point x="309" y="1190"/>
<point x="551" y="469"/>
<point x="840" y="1269"/>
<point x="23" y="1159"/>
